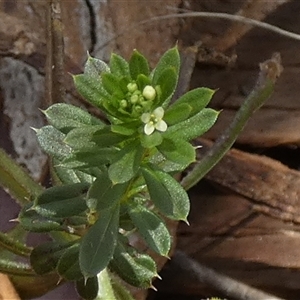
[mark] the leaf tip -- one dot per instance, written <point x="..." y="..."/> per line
<point x="14" y="220"/>
<point x="36" y="130"/>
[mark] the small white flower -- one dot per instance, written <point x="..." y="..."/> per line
<point x="154" y="121"/>
<point x="149" y="92"/>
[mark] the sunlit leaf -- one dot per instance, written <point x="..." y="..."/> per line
<point x="119" y="66"/>
<point x="94" y="67"/>
<point x="65" y="117"/>
<point x="197" y="99"/>
<point x="194" y="126"/>
<point x="91" y="89"/>
<point x="52" y="142"/>
<point x="138" y="65"/>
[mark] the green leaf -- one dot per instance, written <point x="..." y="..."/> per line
<point x="44" y="258"/>
<point x="151" y="228"/>
<point x="177" y="114"/>
<point x="197" y="99"/>
<point x="119" y="66"/>
<point x="82" y="138"/>
<point x="194" y="126"/>
<point x="143" y="80"/>
<point x="32" y="221"/>
<point x="170" y="58"/>
<point x="138" y="64"/>
<point x="127" y="165"/>
<point x="65" y="117"/>
<point x="91" y="89"/>
<point x="178" y="151"/>
<point x="68" y="265"/>
<point x="94" y="67"/>
<point x="62" y="201"/>
<point x="89" y="159"/>
<point x="52" y="142"/>
<point x="103" y="194"/>
<point x="152" y="140"/>
<point x="167" y="83"/>
<point x="134" y="268"/>
<point x="106" y="138"/>
<point x="167" y="194"/>
<point x="87" y="288"/>
<point x="128" y="128"/>
<point x="63" y="175"/>
<point x="111" y="84"/>
<point x="98" y="244"/>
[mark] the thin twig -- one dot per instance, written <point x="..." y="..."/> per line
<point x="224" y="284"/>
<point x="225" y="16"/>
<point x="55" y="87"/>
<point x="269" y="72"/>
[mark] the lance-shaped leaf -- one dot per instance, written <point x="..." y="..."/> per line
<point x="98" y="244"/>
<point x="104" y="194"/>
<point x="65" y="117"/>
<point x="167" y="194"/>
<point x="178" y="151"/>
<point x="87" y="288"/>
<point x="138" y="64"/>
<point x="81" y="138"/>
<point x="151" y="228"/>
<point x="194" y="126"/>
<point x="167" y="83"/>
<point x="44" y="258"/>
<point x="89" y="159"/>
<point x="62" y="201"/>
<point x="52" y="142"/>
<point x="177" y="113"/>
<point x="91" y="89"/>
<point x="124" y="168"/>
<point x="135" y="268"/>
<point x="111" y="83"/>
<point x="152" y="140"/>
<point x="32" y="221"/>
<point x="63" y="175"/>
<point x="94" y="67"/>
<point x="197" y="99"/>
<point x="170" y="58"/>
<point x="119" y="66"/>
<point x="68" y="264"/>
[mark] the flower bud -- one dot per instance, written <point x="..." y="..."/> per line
<point x="149" y="92"/>
<point x="132" y="87"/>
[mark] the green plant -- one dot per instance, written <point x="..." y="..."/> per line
<point x="115" y="178"/>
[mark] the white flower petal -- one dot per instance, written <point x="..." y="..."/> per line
<point x="145" y="117"/>
<point x="149" y="128"/>
<point x="159" y="112"/>
<point x="161" y="125"/>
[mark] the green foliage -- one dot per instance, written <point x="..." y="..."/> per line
<point x="116" y="177"/>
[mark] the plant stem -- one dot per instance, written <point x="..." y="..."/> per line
<point x="16" y="181"/>
<point x="13" y="245"/>
<point x="269" y="72"/>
